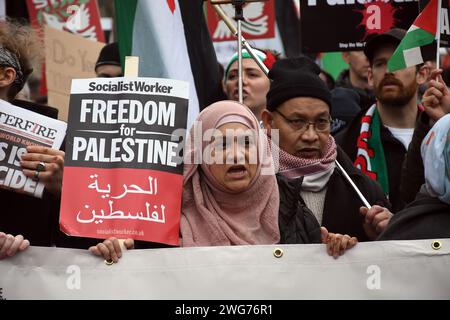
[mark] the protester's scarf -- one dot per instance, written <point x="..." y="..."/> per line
<point x="370" y="158"/>
<point x="436" y="159"/>
<point x="315" y="172"/>
<point x="215" y="216"/>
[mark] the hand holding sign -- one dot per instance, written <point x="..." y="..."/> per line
<point x="123" y="172"/>
<point x="111" y="249"/>
<point x="10" y="245"/>
<point x="53" y="162"/>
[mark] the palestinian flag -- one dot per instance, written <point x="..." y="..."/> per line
<point x="172" y="41"/>
<point x="419" y="43"/>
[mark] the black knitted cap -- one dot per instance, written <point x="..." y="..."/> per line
<point x="109" y="55"/>
<point x="296" y="77"/>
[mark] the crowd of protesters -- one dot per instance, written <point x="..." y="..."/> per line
<point x="395" y="149"/>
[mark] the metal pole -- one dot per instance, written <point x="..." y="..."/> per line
<point x="358" y="192"/>
<point x="240" y="84"/>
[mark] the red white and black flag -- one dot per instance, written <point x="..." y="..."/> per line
<point x="172" y="40"/>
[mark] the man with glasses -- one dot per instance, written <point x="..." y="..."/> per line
<point x="298" y="106"/>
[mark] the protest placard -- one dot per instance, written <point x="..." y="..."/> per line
<point x="123" y="168"/>
<point x="20" y="128"/>
<point x="259" y="26"/>
<point x="342" y="25"/>
<point x="67" y="57"/>
<point x="259" y="21"/>
<point x="80" y="17"/>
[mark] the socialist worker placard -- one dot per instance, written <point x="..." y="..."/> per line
<point x="123" y="169"/>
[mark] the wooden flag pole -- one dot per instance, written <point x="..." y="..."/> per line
<point x="131" y="67"/>
<point x="131" y="71"/>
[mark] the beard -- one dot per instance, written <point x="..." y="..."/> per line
<point x="396" y="98"/>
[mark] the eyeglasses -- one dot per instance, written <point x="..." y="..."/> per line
<point x="302" y="125"/>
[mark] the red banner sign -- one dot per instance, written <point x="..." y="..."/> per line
<point x="259" y="21"/>
<point x="123" y="171"/>
<point x="79" y="17"/>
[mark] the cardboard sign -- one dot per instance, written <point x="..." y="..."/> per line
<point x="80" y="17"/>
<point x="259" y="21"/>
<point x="20" y="128"/>
<point x="123" y="170"/>
<point x="445" y="22"/>
<point x="67" y="57"/>
<point x="342" y="25"/>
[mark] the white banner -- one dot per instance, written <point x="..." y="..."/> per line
<point x="376" y="270"/>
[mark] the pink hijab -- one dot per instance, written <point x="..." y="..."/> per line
<point x="215" y="216"/>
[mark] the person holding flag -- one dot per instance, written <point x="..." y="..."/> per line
<point x="422" y="43"/>
<point x="298" y="108"/>
<point x="378" y="138"/>
<point x="436" y="101"/>
<point x="232" y="196"/>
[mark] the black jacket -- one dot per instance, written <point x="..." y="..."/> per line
<point x="425" y="218"/>
<point x="413" y="173"/>
<point x="341" y="210"/>
<point x="394" y="152"/>
<point x="297" y="223"/>
<point x="366" y="96"/>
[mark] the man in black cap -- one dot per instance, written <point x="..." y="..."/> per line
<point x="378" y="138"/>
<point x="108" y="62"/>
<point x="298" y="106"/>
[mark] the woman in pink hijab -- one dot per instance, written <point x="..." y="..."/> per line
<point x="230" y="191"/>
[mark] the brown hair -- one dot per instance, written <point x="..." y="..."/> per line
<point x="24" y="42"/>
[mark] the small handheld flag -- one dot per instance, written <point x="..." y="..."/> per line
<point x="421" y="42"/>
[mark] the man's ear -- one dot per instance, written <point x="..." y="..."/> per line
<point x="7" y="76"/>
<point x="267" y="119"/>
<point x="423" y="74"/>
